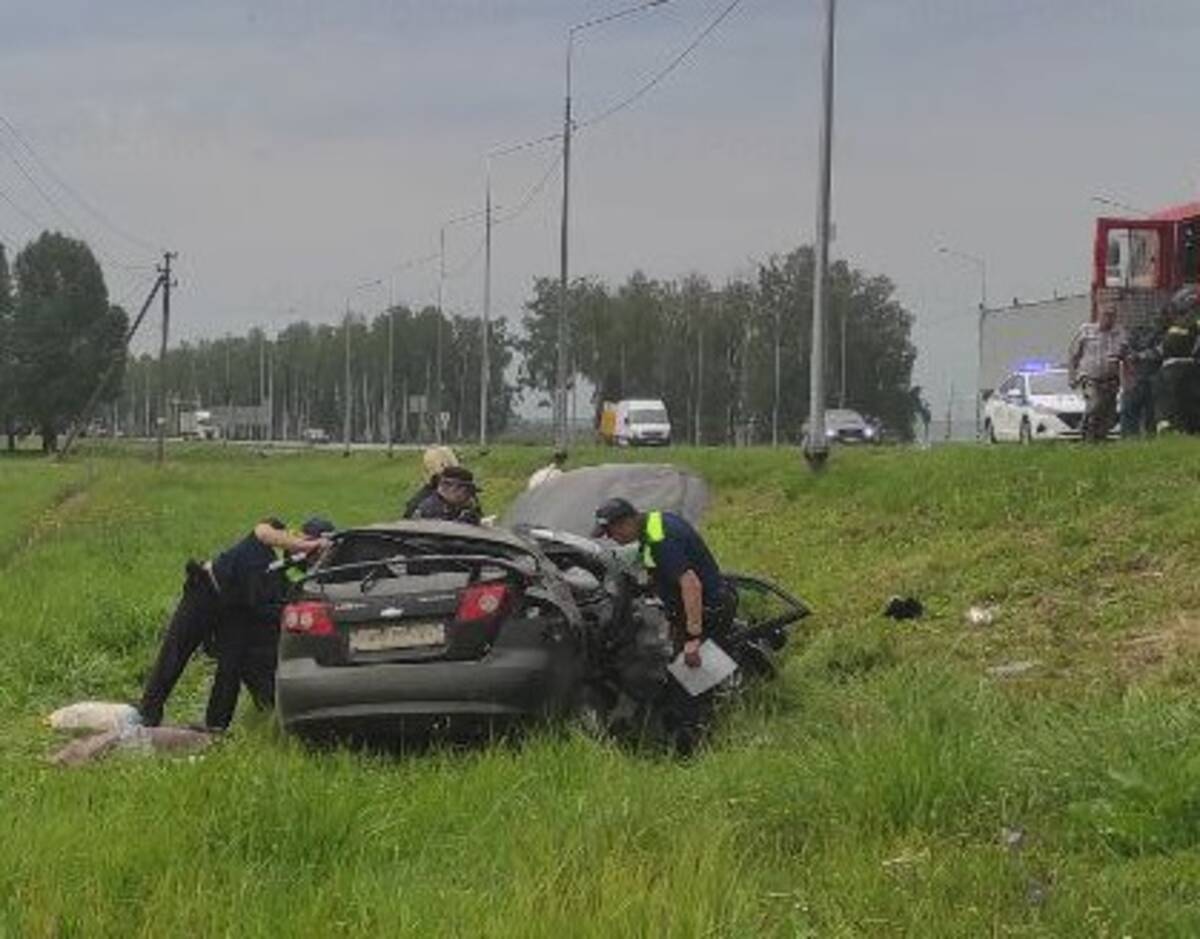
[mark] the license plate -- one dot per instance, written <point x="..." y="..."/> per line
<point x="414" y="635"/>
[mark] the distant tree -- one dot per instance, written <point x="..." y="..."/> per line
<point x="65" y="333"/>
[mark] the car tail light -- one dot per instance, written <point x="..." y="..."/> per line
<point x="311" y="618"/>
<point x="481" y="601"/>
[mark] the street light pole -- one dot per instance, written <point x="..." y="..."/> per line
<point x="816" y="448"/>
<point x="346" y="386"/>
<point x="389" y="388"/>
<point x="981" y="265"/>
<point x="484" y="344"/>
<point x="560" y="384"/>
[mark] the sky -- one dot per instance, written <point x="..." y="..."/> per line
<point x="294" y="152"/>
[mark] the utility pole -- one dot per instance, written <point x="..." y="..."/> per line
<point x="778" y="366"/>
<point x="437" y="393"/>
<point x="165" y="272"/>
<point x="86" y="414"/>
<point x="347" y="391"/>
<point x="390" y="387"/>
<point x="560" y="382"/>
<point x="816" y="448"/>
<point x="485" y="346"/>
<point x="842" y="370"/>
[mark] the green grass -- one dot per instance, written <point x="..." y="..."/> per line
<point x="868" y="792"/>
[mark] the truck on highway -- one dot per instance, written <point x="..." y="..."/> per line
<point x="197" y="425"/>
<point x="635" y="422"/>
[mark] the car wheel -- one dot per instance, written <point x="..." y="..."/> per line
<point x="1026" y="431"/>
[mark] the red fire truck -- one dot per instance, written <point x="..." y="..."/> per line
<point x="1140" y="262"/>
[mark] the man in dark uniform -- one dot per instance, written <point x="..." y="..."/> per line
<point x="454" y="500"/>
<point x="1177" y="390"/>
<point x="222" y="600"/>
<point x="1138" y="375"/>
<point x="686" y="576"/>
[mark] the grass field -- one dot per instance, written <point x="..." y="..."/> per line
<point x="889" y="784"/>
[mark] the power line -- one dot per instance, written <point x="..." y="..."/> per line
<point x="658" y="77"/>
<point x="533" y="192"/>
<point x="73" y="192"/>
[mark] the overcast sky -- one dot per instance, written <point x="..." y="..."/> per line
<point x="291" y="150"/>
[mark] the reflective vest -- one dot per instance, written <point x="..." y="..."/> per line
<point x="653" y="534"/>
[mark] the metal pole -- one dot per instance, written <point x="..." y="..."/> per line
<point x="437" y="391"/>
<point x="560" y="384"/>
<point x="346" y="390"/>
<point x="390" y="387"/>
<point x="484" y="345"/>
<point x="816" y="448"/>
<point x="165" y="270"/>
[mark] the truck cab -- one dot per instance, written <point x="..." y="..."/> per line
<point x="1139" y="262"/>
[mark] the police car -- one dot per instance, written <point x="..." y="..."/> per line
<point x="1036" y="402"/>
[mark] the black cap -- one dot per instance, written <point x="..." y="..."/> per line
<point x="316" y="526"/>
<point x="461" y="476"/>
<point x="610" y="511"/>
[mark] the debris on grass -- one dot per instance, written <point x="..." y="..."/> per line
<point x="93" y="715"/>
<point x="1013" y="669"/>
<point x="145" y="740"/>
<point x="982" y="615"/>
<point x="899" y="608"/>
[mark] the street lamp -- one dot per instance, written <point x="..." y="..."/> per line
<point x="348" y="393"/>
<point x="560" y="385"/>
<point x="437" y="397"/>
<point x="981" y="265"/>
<point x="816" y="447"/>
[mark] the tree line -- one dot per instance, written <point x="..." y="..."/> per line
<point x="730" y="361"/>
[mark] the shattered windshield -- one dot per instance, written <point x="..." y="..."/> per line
<point x="568" y="503"/>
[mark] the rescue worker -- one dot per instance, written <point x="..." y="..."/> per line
<point x="247" y="636"/>
<point x="552" y="470"/>
<point x="1177" y="392"/>
<point x="1138" y="379"/>
<point x="455" y="499"/>
<point x="1093" y="363"/>
<point x="687" y="579"/>
<point x="435" y="460"/>
<point x="217" y="596"/>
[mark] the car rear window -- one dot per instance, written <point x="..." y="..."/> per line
<point x="356" y="552"/>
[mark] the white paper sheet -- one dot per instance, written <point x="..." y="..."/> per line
<point x="715" y="666"/>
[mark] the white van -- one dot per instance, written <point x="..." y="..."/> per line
<point x="642" y="422"/>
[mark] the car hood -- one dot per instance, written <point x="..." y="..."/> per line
<point x="1062" y="404"/>
<point x="568" y="502"/>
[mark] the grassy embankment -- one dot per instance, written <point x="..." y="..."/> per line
<point x="888" y="784"/>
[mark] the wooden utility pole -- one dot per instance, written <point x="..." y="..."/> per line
<point x="165" y="272"/>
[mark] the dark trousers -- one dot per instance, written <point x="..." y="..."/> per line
<point x="1137" y="409"/>
<point x="1178" y="395"/>
<point x="190" y="626"/>
<point x="246" y="655"/>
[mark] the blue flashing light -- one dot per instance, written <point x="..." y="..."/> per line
<point x="1035" y="365"/>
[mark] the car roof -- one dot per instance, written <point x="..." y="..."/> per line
<point x="445" y="530"/>
<point x="568" y="502"/>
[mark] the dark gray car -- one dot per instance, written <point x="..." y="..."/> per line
<point x="414" y="627"/>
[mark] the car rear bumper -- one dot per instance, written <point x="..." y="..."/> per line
<point x="402" y="699"/>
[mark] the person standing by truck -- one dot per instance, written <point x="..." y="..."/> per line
<point x="1094" y="364"/>
<point x="1177" y="391"/>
